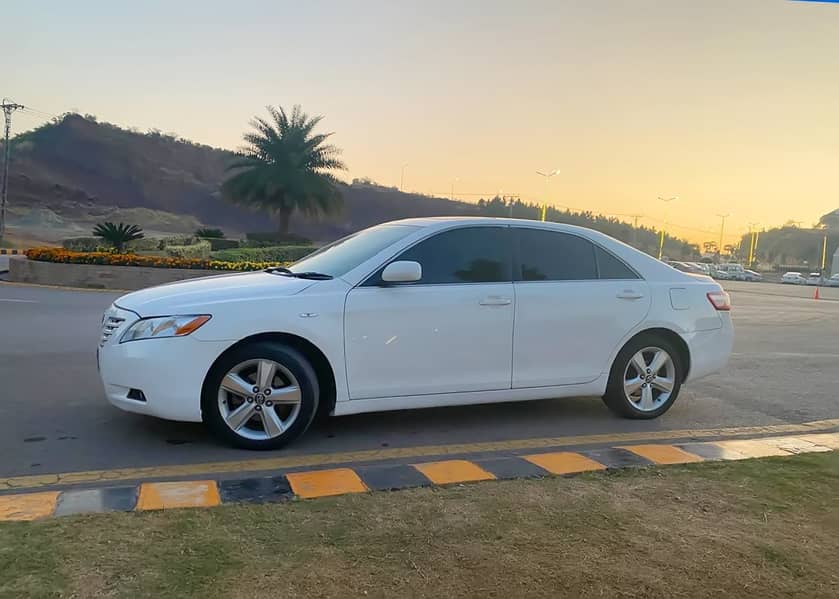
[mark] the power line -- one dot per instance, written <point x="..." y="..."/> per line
<point x="8" y="108"/>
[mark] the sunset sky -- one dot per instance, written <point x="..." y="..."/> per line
<point x="731" y="105"/>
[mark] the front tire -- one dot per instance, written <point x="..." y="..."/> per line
<point x="645" y="379"/>
<point x="260" y="396"/>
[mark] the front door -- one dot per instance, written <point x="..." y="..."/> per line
<point x="450" y="332"/>
<point x="575" y="302"/>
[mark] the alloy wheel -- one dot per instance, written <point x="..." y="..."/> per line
<point x="649" y="379"/>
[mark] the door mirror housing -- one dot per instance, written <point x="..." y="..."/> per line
<point x="402" y="271"/>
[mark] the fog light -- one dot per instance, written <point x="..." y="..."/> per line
<point x="136" y="395"/>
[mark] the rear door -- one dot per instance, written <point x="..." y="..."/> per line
<point x="575" y="302"/>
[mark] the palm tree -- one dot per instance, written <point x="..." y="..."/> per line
<point x="118" y="235"/>
<point x="284" y="167"/>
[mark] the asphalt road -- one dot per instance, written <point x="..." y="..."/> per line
<point x="54" y="418"/>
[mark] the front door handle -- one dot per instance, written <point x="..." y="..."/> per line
<point x="495" y="300"/>
<point x="630" y="294"/>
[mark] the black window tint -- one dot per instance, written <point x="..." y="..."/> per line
<point x="471" y="255"/>
<point x="610" y="267"/>
<point x="551" y="256"/>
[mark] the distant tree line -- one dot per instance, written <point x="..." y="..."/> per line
<point x="645" y="239"/>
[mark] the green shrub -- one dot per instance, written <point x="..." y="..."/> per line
<point x="288" y="253"/>
<point x="278" y="239"/>
<point x="164" y="242"/>
<point x="209" y="233"/>
<point x="222" y="244"/>
<point x="147" y="244"/>
<point x="196" y="250"/>
<point x="83" y="244"/>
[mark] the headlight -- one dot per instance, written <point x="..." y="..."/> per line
<point x="164" y="326"/>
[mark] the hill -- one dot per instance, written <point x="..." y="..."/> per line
<point x="68" y="174"/>
<point x="71" y="173"/>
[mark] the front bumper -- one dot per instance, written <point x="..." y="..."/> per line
<point x="170" y="373"/>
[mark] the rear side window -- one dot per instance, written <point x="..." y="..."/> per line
<point x="467" y="255"/>
<point x="610" y="267"/>
<point x="551" y="256"/>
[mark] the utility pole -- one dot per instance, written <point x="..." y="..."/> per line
<point x="722" y="231"/>
<point x="635" y="218"/>
<point x="752" y="242"/>
<point x="8" y="108"/>
<point x="666" y="213"/>
<point x="402" y="177"/>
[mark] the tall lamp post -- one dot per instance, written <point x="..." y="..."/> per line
<point x="753" y="233"/>
<point x="661" y="235"/>
<point x="455" y="180"/>
<point x="722" y="230"/>
<point x="547" y="177"/>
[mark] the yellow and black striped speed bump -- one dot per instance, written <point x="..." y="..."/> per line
<point x="13" y="252"/>
<point x="309" y="484"/>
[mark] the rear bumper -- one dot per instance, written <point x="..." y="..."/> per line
<point x="710" y="350"/>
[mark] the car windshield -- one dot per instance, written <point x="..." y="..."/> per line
<point x="340" y="257"/>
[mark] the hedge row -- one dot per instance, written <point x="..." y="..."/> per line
<point x="48" y="254"/>
<point x="288" y="253"/>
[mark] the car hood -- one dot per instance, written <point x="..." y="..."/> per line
<point x="195" y="296"/>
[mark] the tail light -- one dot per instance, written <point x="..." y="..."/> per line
<point x="720" y="300"/>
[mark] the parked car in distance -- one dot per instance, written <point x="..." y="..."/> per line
<point x="815" y="278"/>
<point x="833" y="281"/>
<point x="722" y="275"/>
<point x="735" y="271"/>
<point x="686" y="267"/>
<point x="793" y="278"/>
<point x="751" y="275"/>
<point x="414" y="314"/>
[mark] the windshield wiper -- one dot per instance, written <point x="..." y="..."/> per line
<point x="316" y="276"/>
<point x="283" y="271"/>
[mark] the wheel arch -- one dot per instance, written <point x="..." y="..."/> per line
<point x="320" y="363"/>
<point x="671" y="336"/>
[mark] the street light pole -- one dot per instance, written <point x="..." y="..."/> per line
<point x="661" y="236"/>
<point x="722" y="230"/>
<point x="455" y="180"/>
<point x="402" y="177"/>
<point x="752" y="242"/>
<point x="547" y="177"/>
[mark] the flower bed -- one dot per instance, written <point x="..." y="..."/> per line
<point x="61" y="255"/>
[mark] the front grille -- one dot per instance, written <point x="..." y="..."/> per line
<point x="110" y="325"/>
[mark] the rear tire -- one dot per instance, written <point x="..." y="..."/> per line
<point x="645" y="378"/>
<point x="260" y="396"/>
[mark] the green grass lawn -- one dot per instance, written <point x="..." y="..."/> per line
<point x="759" y="528"/>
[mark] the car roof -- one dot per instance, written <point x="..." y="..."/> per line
<point x="441" y="222"/>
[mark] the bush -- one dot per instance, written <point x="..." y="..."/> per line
<point x="48" y="254"/>
<point x="176" y="240"/>
<point x="277" y="239"/>
<point x="147" y="244"/>
<point x="83" y="244"/>
<point x="209" y="233"/>
<point x="222" y="244"/>
<point x="290" y="253"/>
<point x="196" y="250"/>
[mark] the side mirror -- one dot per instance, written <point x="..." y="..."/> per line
<point x="402" y="271"/>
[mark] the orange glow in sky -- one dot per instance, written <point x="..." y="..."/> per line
<point x="732" y="106"/>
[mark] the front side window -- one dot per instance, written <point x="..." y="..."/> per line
<point x="551" y="256"/>
<point x="467" y="255"/>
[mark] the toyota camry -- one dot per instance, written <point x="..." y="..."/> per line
<point x="413" y="314"/>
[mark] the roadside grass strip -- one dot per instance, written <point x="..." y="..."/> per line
<point x="364" y="478"/>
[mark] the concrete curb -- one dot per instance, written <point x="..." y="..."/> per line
<point x="310" y="484"/>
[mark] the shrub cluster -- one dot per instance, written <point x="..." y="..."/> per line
<point x="288" y="253"/>
<point x="50" y="254"/>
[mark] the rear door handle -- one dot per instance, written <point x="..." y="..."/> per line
<point x="630" y="294"/>
<point x="495" y="300"/>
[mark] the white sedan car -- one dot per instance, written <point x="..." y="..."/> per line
<point x="412" y="314"/>
<point x="793" y="278"/>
